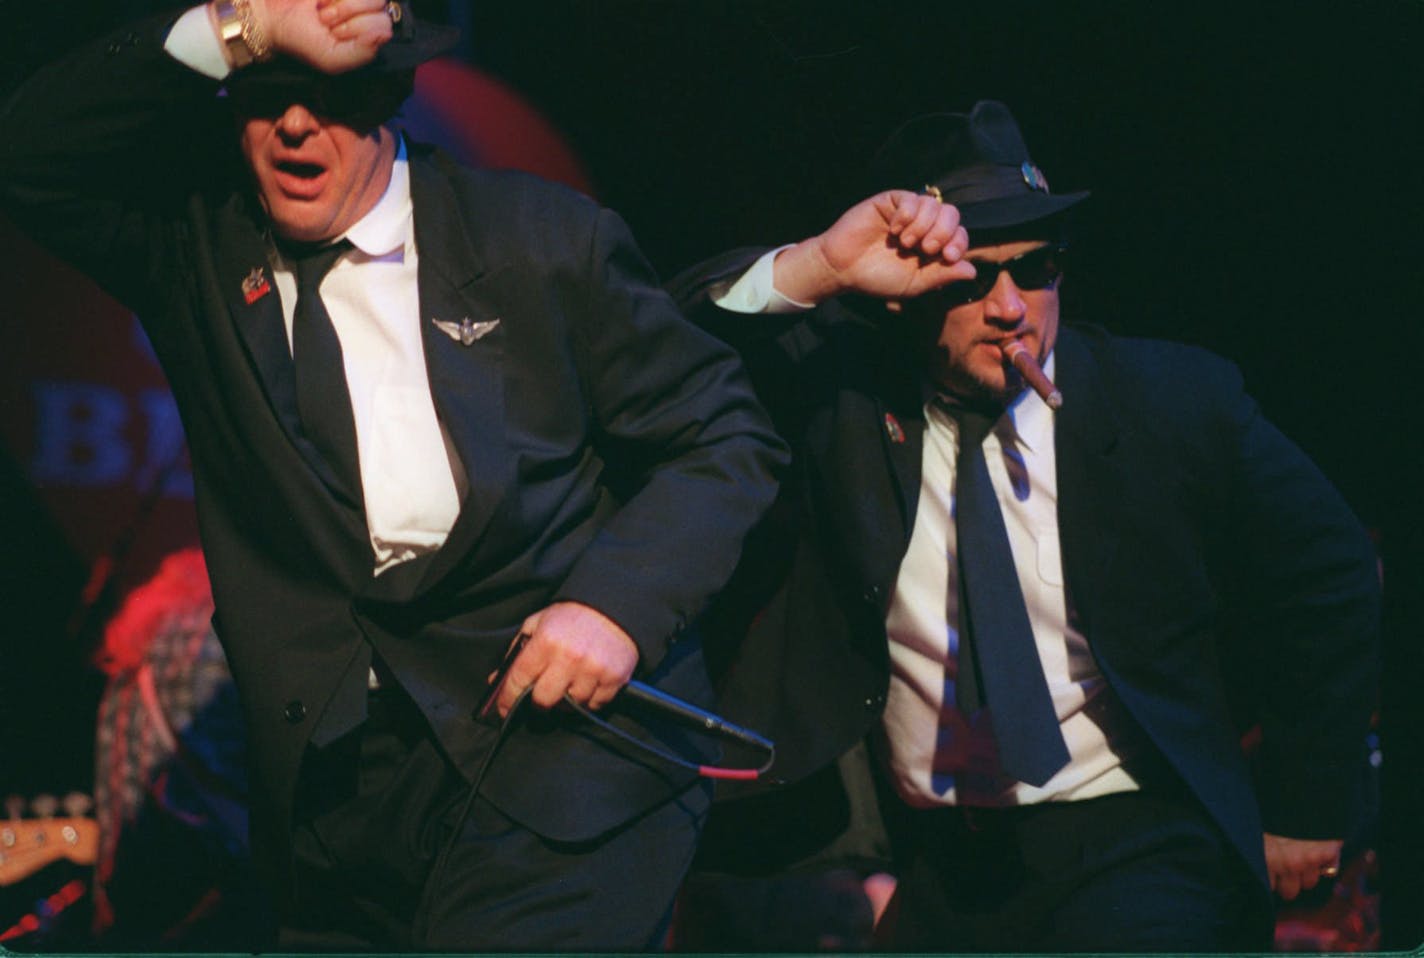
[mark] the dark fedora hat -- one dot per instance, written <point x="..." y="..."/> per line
<point x="977" y="161"/>
<point x="413" y="41"/>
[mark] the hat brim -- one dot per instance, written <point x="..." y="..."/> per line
<point x="430" y="41"/>
<point x="1016" y="210"/>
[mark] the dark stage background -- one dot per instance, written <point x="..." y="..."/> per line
<point x="1256" y="190"/>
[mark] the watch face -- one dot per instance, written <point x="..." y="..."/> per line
<point x="230" y="29"/>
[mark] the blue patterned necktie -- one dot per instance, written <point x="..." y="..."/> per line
<point x="999" y="664"/>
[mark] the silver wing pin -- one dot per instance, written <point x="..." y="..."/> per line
<point x="466" y="331"/>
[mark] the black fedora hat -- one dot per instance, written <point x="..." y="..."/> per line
<point x="977" y="161"/>
<point x="412" y="42"/>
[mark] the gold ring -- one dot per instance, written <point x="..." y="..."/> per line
<point x="393" y="10"/>
<point x="1329" y="871"/>
<point x="934" y="191"/>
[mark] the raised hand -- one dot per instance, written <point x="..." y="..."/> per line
<point x="894" y="245"/>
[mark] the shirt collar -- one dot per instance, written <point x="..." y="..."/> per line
<point x="385" y="229"/>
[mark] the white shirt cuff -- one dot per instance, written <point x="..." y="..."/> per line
<point x="192" y="43"/>
<point x="755" y="292"/>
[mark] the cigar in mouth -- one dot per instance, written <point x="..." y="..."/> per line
<point x="1017" y="353"/>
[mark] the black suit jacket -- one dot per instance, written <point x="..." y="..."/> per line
<point x="615" y="453"/>
<point x="1201" y="549"/>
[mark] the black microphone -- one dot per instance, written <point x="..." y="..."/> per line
<point x="691" y="713"/>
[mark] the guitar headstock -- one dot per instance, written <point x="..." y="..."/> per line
<point x="29" y="844"/>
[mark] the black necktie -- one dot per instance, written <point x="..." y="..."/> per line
<point x="323" y="402"/>
<point x="996" y="644"/>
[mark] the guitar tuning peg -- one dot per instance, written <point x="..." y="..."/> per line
<point x="44" y="806"/>
<point x="14" y="806"/>
<point x="77" y="804"/>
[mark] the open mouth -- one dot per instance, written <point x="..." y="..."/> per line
<point x="305" y="171"/>
<point x="300" y="180"/>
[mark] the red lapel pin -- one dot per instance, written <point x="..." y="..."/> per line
<point x="892" y="427"/>
<point x="255" y="286"/>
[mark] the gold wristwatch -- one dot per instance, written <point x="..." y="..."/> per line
<point x="242" y="39"/>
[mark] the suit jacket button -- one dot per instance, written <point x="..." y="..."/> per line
<point x="872" y="595"/>
<point x="294" y="712"/>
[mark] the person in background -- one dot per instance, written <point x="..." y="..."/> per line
<point x="170" y="784"/>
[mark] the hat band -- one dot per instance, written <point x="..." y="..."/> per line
<point x="976" y="184"/>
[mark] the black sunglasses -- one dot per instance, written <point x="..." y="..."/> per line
<point x="1037" y="269"/>
<point x="360" y="102"/>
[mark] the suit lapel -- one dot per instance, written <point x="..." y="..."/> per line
<point x="868" y="450"/>
<point x="251" y="292"/>
<point x="466" y="373"/>
<point x="1090" y="478"/>
<point x="902" y="435"/>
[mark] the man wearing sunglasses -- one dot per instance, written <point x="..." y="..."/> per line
<point x="430" y="409"/>
<point x="1032" y="603"/>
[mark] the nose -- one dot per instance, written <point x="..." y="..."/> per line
<point x="297" y="123"/>
<point x="1005" y="303"/>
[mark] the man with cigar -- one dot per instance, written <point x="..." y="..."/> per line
<point x="428" y="409"/>
<point x="1031" y="598"/>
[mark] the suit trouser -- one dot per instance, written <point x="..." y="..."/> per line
<point x="376" y="809"/>
<point x="1138" y="871"/>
